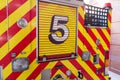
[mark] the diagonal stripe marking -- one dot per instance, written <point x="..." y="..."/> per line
<point x="18" y="48"/>
<point x="24" y="31"/>
<point x="4" y="3"/>
<point x="14" y="29"/>
<point x="31" y="56"/>
<point x="92" y="67"/>
<point x="11" y="8"/>
<point x="13" y="18"/>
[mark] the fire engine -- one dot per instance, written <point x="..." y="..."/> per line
<point x="54" y="40"/>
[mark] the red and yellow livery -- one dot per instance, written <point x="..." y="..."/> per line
<point x="49" y="39"/>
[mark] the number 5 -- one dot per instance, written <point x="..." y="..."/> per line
<point x="58" y="24"/>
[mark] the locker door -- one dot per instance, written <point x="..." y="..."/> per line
<point x="57" y="31"/>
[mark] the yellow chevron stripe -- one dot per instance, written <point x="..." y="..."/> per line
<point x="28" y="72"/>
<point x="109" y="24"/>
<point x="25" y="74"/>
<point x="71" y="67"/>
<point x="81" y="12"/>
<point x="3" y="3"/>
<point x="60" y="72"/>
<point x="92" y="43"/>
<point x="49" y="66"/>
<point x="85" y="49"/>
<point x="107" y="35"/>
<point x="4" y="49"/>
<point x="14" y="18"/>
<point x="106" y="77"/>
<point x="8" y="69"/>
<point x="28" y="49"/>
<point x="87" y="68"/>
<point x="38" y="77"/>
<point x="15" y="40"/>
<point x="96" y="33"/>
<point x="86" y="35"/>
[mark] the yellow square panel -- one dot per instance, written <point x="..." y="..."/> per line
<point x="57" y="31"/>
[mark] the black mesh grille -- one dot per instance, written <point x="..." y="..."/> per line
<point x="95" y="16"/>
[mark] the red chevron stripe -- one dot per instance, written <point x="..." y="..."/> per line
<point x="104" y="38"/>
<point x="89" y="47"/>
<point x="15" y="75"/>
<point x="7" y="59"/>
<point x="94" y="39"/>
<point x="109" y="31"/>
<point x="79" y="67"/>
<point x="14" y="28"/>
<point x="11" y="8"/>
<point x="37" y="71"/>
<point x="92" y="36"/>
<point x="63" y="69"/>
<point x="90" y="65"/>
<point x="109" y="17"/>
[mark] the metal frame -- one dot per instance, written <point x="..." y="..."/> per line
<point x="88" y="56"/>
<point x="97" y="60"/>
<point x="1" y="74"/>
<point x="72" y="3"/>
<point x="105" y="62"/>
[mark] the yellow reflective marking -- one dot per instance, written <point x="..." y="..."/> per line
<point x="99" y="37"/>
<point x="85" y="49"/>
<point x="81" y="11"/>
<point x="26" y="73"/>
<point x="3" y="50"/>
<point x="59" y="72"/>
<point x="8" y="69"/>
<point x="38" y="77"/>
<point x="49" y="66"/>
<point x="107" y="35"/>
<point x="28" y="49"/>
<point x="16" y="15"/>
<point x="92" y="43"/>
<point x="86" y="35"/>
<point x="106" y="77"/>
<point x="87" y="68"/>
<point x="72" y="68"/>
<point x="4" y="3"/>
<point x="109" y="24"/>
<point x="18" y="37"/>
